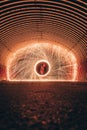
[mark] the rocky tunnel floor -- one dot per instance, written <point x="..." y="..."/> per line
<point x="43" y="106"/>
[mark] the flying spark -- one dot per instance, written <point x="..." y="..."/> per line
<point x="42" y="62"/>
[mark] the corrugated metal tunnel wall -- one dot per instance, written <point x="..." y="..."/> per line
<point x="55" y="21"/>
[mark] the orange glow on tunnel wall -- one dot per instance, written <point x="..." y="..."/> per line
<point x="62" y="62"/>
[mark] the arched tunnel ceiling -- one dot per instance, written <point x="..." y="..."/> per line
<point x="56" y="21"/>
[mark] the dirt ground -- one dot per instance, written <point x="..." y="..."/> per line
<point x="43" y="106"/>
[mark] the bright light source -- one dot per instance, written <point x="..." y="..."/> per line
<point x="42" y="68"/>
<point x="43" y="62"/>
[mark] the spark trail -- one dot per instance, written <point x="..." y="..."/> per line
<point x="21" y="65"/>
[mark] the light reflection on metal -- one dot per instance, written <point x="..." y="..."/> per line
<point x="61" y="64"/>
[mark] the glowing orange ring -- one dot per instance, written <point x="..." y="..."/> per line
<point x="39" y="75"/>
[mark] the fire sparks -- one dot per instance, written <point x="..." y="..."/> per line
<point x="43" y="62"/>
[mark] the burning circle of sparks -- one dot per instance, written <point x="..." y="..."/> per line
<point x="61" y="62"/>
<point x="42" y="68"/>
